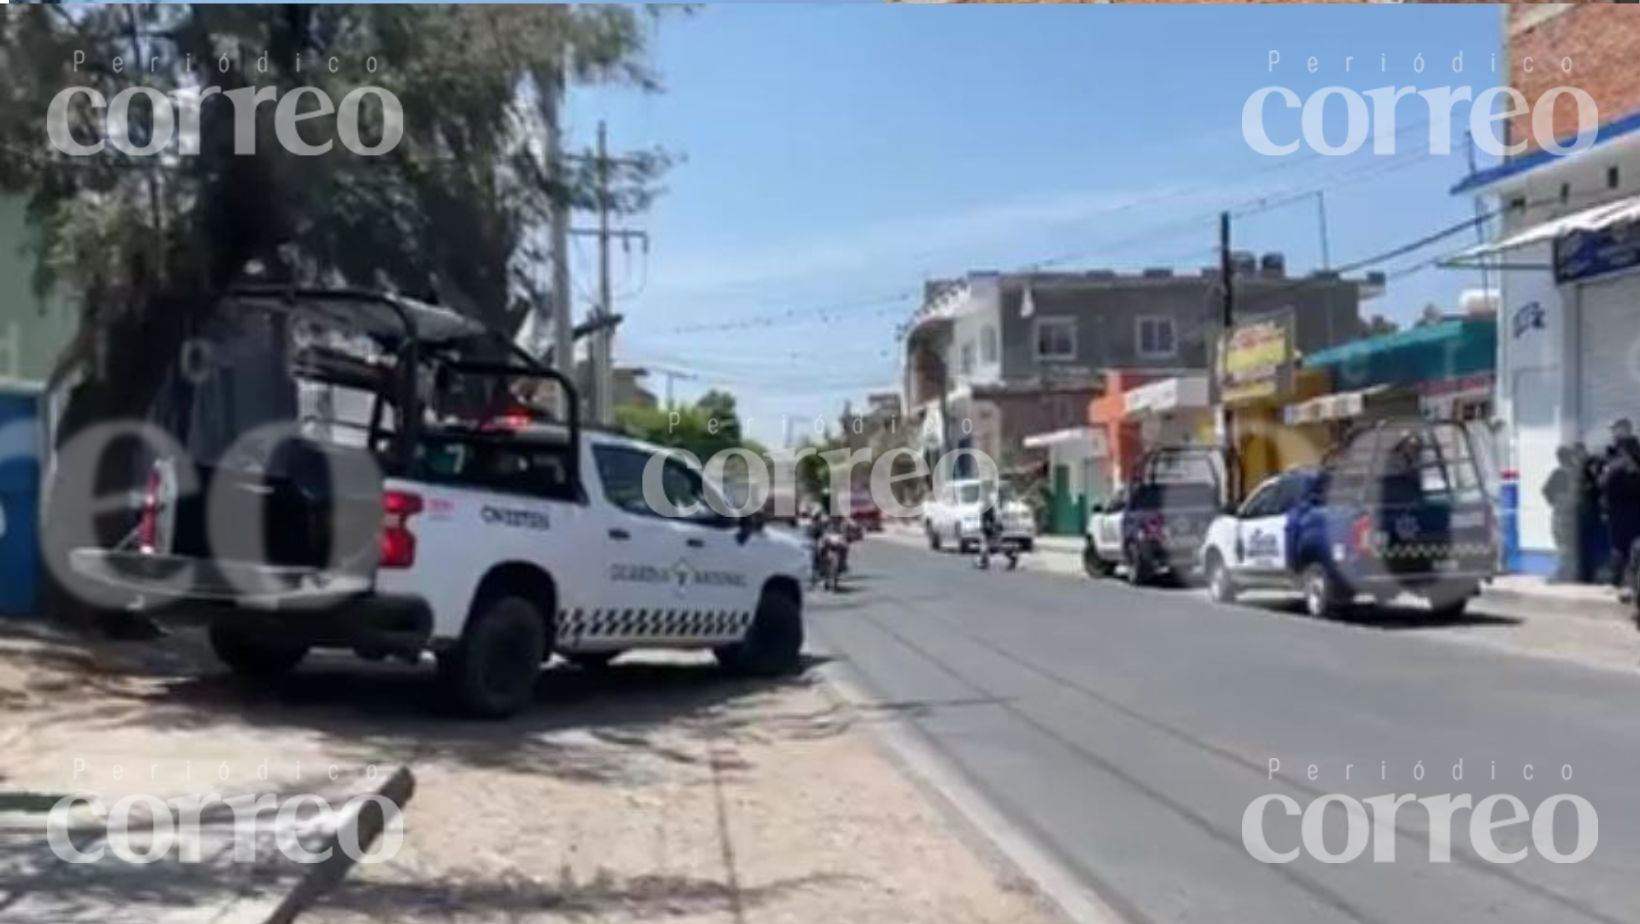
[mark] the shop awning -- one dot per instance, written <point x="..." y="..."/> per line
<point x="1092" y="438"/>
<point x="1342" y="406"/>
<point x="1183" y="393"/>
<point x="1590" y="219"/>
<point x="1445" y="349"/>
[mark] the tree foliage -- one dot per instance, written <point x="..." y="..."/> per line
<point x="456" y="211"/>
<point x="708" y="427"/>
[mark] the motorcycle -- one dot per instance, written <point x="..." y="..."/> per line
<point x="992" y="544"/>
<point x="828" y="560"/>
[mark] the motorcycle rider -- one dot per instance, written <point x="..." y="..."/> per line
<point x="990" y="528"/>
<point x="823" y="533"/>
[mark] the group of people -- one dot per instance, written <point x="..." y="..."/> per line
<point x="1596" y="504"/>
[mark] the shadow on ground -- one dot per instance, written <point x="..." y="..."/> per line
<point x="587" y="725"/>
<point x="1391" y="617"/>
<point x="639" y="897"/>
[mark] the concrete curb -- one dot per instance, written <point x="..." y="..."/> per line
<point x="367" y="822"/>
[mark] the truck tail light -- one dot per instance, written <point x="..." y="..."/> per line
<point x="398" y="543"/>
<point x="1154" y="528"/>
<point x="1361" y="535"/>
<point x="148" y="525"/>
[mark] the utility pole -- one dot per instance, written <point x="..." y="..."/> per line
<point x="603" y="341"/>
<point x="602" y="353"/>
<point x="1227" y="320"/>
<point x="1321" y="213"/>
<point x="563" y="300"/>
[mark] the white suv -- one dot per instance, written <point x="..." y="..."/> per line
<point x="954" y="515"/>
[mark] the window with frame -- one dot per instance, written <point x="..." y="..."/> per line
<point x="1056" y="338"/>
<point x="1263" y="501"/>
<point x="968" y="358"/>
<point x="988" y="345"/>
<point x="621" y="469"/>
<point x="498" y="464"/>
<point x="1157" y="338"/>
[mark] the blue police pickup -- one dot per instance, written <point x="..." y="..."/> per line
<point x="1154" y="527"/>
<point x="1397" y="507"/>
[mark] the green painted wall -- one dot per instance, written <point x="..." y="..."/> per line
<point x="32" y="330"/>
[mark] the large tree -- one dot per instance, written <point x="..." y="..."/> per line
<point x="455" y="211"/>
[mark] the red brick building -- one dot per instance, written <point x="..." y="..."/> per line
<point x="1592" y="47"/>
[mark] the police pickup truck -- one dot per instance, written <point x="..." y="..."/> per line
<point x="406" y="500"/>
<point x="1397" y="508"/>
<point x="1153" y="528"/>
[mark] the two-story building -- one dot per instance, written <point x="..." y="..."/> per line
<point x="1566" y="255"/>
<point x="1008" y="364"/>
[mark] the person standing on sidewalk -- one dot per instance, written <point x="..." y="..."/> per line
<point x="1568" y="494"/>
<point x="1620" y="496"/>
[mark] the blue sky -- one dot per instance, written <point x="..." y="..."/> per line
<point x="834" y="157"/>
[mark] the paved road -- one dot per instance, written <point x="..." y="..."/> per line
<point x="1127" y="731"/>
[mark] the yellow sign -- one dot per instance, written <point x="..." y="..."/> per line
<point x="1256" y="362"/>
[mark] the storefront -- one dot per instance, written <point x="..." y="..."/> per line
<point x="1568" y="350"/>
<point x="1330" y="416"/>
<point x="1258" y="379"/>
<point x="1078" y="475"/>
<point x="1172" y="412"/>
<point x="1108" y="414"/>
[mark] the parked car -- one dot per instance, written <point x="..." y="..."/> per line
<point x="863" y="511"/>
<point x="494" y="542"/>
<point x="954" y="515"/>
<point x="1398" y="507"/>
<point x="1154" y="528"/>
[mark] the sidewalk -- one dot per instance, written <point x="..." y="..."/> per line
<point x="1595" y="602"/>
<point x="655" y="788"/>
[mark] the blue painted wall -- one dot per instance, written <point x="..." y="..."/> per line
<point x="19" y="504"/>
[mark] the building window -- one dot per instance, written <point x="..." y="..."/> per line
<point x="1056" y="338"/>
<point x="988" y="345"/>
<point x="1157" y="338"/>
<point x="968" y="358"/>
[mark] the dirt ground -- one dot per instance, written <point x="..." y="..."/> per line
<point x="656" y="789"/>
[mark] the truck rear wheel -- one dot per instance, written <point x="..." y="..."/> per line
<point x="251" y="656"/>
<point x="492" y="672"/>
<point x="1093" y="564"/>
<point x="773" y="646"/>
<point x="1220" y="585"/>
<point x="1324" y="598"/>
<point x="1140" y="573"/>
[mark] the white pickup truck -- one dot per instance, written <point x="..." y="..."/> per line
<point x="954" y="513"/>
<point x="493" y="543"/>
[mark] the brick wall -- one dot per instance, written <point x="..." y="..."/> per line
<point x="1602" y="41"/>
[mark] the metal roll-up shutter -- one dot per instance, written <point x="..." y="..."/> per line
<point x="1609" y="364"/>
